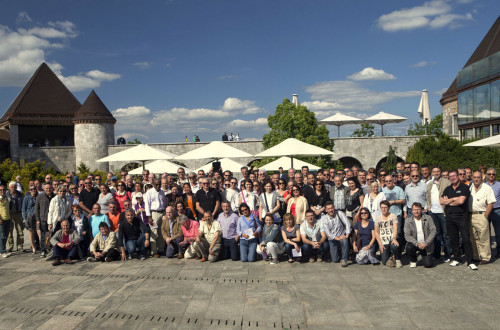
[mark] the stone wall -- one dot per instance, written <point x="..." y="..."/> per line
<point x="449" y="109"/>
<point x="14" y="142"/>
<point x="61" y="158"/>
<point x="91" y="144"/>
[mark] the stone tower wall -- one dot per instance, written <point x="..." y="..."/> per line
<point x="91" y="143"/>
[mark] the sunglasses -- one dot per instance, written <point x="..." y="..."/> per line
<point x="363" y="213"/>
<point x="414" y="176"/>
<point x="491" y="174"/>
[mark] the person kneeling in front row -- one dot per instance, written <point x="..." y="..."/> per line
<point x="420" y="232"/>
<point x="272" y="241"/>
<point x="104" y="247"/>
<point x="207" y="242"/>
<point x="65" y="244"/>
<point x="135" y="234"/>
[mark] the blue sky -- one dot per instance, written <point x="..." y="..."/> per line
<point x="167" y="69"/>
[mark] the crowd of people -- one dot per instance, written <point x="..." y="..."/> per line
<point x="347" y="216"/>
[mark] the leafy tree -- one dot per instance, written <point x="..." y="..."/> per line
<point x="365" y="130"/>
<point x="451" y="154"/>
<point x="136" y="141"/>
<point x="290" y="121"/>
<point x="433" y="128"/>
<point x="391" y="161"/>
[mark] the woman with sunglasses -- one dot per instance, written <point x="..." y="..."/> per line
<point x="364" y="238"/>
<point x="121" y="195"/>
<point x="373" y="198"/>
<point x="247" y="197"/>
<point x="297" y="205"/>
<point x="28" y="212"/>
<point x="74" y="196"/>
<point x="248" y="228"/>
<point x="319" y="198"/>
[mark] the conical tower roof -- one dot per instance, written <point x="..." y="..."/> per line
<point x="93" y="111"/>
<point x="44" y="100"/>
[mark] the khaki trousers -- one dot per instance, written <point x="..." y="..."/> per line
<point x="156" y="239"/>
<point x="480" y="237"/>
<point x="201" y="250"/>
<point x="16" y="221"/>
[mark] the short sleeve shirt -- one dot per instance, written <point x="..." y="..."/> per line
<point x="365" y="233"/>
<point x="209" y="233"/>
<point x="386" y="228"/>
<point x="462" y="190"/>
<point x="393" y="195"/>
<point x="208" y="199"/>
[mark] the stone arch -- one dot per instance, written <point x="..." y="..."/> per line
<point x="249" y="164"/>
<point x="350" y="161"/>
<point x="130" y="166"/>
<point x="383" y="160"/>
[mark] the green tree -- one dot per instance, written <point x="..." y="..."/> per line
<point x="435" y="127"/>
<point x="365" y="130"/>
<point x="136" y="141"/>
<point x="451" y="153"/>
<point x="391" y="161"/>
<point x="290" y="121"/>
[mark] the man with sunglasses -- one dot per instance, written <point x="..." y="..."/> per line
<point x="207" y="199"/>
<point x="462" y="176"/>
<point x="396" y="198"/>
<point x="88" y="197"/>
<point x="494" y="219"/>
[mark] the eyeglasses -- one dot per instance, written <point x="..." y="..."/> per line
<point x="295" y="190"/>
<point x="388" y="180"/>
<point x="415" y="176"/>
<point x="244" y="210"/>
<point x="88" y="183"/>
<point x="121" y="185"/>
<point x="461" y="174"/>
<point x="68" y="177"/>
<point x="491" y="174"/>
<point x="318" y="184"/>
<point x="204" y="183"/>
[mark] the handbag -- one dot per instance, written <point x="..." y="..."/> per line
<point x="391" y="262"/>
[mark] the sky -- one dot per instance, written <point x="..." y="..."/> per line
<point x="174" y="68"/>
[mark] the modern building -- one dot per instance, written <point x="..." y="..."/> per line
<point x="471" y="106"/>
<point x="46" y="114"/>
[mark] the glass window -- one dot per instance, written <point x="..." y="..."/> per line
<point x="485" y="132"/>
<point x="495" y="99"/>
<point x="469" y="134"/>
<point x="495" y="129"/>
<point x="465" y="107"/>
<point x="454" y="126"/>
<point x="482" y="102"/>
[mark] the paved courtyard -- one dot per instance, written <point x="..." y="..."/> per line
<point x="161" y="293"/>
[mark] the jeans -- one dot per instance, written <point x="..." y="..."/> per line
<point x="62" y="254"/>
<point x="411" y="251"/>
<point x="4" y="233"/>
<point x="334" y="249"/>
<point x="308" y="251"/>
<point x="442" y="237"/>
<point x="230" y="249"/>
<point x="43" y="233"/>
<point x="458" y="226"/>
<point x="289" y="248"/>
<point x="495" y="221"/>
<point x="173" y="248"/>
<point x="247" y="249"/>
<point x="388" y="250"/>
<point x="134" y="245"/>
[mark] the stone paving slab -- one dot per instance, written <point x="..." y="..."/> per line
<point x="187" y="294"/>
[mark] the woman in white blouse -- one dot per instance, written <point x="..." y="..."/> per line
<point x="372" y="200"/>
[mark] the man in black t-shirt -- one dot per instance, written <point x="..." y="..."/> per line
<point x="88" y="197"/>
<point x="207" y="200"/>
<point x="454" y="199"/>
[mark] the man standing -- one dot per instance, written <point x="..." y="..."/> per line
<point x="396" y="197"/>
<point x="88" y="197"/>
<point x="172" y="233"/>
<point x="455" y="200"/>
<point x="435" y="189"/>
<point x="181" y="173"/>
<point x="113" y="216"/>
<point x="104" y="247"/>
<point x="337" y="229"/>
<point x="155" y="203"/>
<point x="193" y="181"/>
<point x="481" y="201"/>
<point x="306" y="189"/>
<point x="338" y="193"/>
<point x="291" y="174"/>
<point x="228" y="221"/>
<point x="15" y="199"/>
<point x="282" y="175"/>
<point x="96" y="218"/>
<point x="207" y="243"/>
<point x="41" y="215"/>
<point x="491" y="174"/>
<point x="415" y="192"/>
<point x="4" y="221"/>
<point x="207" y="199"/>
<point x="426" y="174"/>
<point x="305" y="171"/>
<point x="244" y="176"/>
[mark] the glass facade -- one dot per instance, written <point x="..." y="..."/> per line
<point x="482" y="69"/>
<point x="480" y="103"/>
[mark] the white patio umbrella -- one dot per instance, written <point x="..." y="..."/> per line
<point x="225" y="163"/>
<point x="293" y="147"/>
<point x="215" y="150"/>
<point x="141" y="153"/>
<point x="492" y="141"/>
<point x="424" y="110"/>
<point x="339" y="119"/>
<point x="159" y="167"/>
<point x="383" y="118"/>
<point x="285" y="162"/>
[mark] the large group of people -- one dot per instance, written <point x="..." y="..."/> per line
<point x="347" y="216"/>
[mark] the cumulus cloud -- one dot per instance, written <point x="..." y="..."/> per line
<point x="24" y="49"/>
<point x="432" y="14"/>
<point x="321" y="105"/>
<point x="241" y="106"/>
<point x="142" y="65"/>
<point x="248" y="123"/>
<point x="370" y="73"/>
<point x="422" y="64"/>
<point x="352" y="95"/>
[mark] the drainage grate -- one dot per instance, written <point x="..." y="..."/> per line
<point x="114" y="315"/>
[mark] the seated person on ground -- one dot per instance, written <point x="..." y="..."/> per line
<point x="104" y="247"/>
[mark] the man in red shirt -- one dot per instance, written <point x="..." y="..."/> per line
<point x="189" y="231"/>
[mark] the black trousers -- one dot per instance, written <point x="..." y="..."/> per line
<point x="458" y="226"/>
<point x="411" y="251"/>
<point x="230" y="249"/>
<point x="112" y="253"/>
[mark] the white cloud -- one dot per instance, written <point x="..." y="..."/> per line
<point x="370" y="73"/>
<point x="131" y="112"/>
<point x="422" y="64"/>
<point x="320" y="105"/>
<point x="23" y="17"/>
<point x="248" y="123"/>
<point x="23" y="50"/>
<point x="242" y="106"/>
<point x="433" y="14"/>
<point x="142" y="65"/>
<point x="352" y="95"/>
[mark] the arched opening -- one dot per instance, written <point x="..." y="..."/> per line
<point x="130" y="166"/>
<point x="350" y="161"/>
<point x="383" y="160"/>
<point x="250" y="163"/>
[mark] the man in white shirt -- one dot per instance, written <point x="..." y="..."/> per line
<point x="481" y="203"/>
<point x="193" y="181"/>
<point x="181" y="173"/>
<point x="419" y="233"/>
<point x="155" y="203"/>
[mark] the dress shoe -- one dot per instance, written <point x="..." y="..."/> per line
<point x="484" y="262"/>
<point x="180" y="256"/>
<point x="156" y="255"/>
<point x="203" y="259"/>
<point x="56" y="262"/>
<point x="68" y="261"/>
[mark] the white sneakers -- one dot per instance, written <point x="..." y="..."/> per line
<point x="454" y="263"/>
<point x="5" y="255"/>
<point x="473" y="266"/>
<point x="413" y="265"/>
<point x="399" y="264"/>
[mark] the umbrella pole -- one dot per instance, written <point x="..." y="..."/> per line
<point x="338" y="130"/>
<point x="291" y="159"/>
<point x="382" y="125"/>
<point x="143" y="165"/>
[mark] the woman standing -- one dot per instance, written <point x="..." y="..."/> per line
<point x="372" y="200"/>
<point x="247" y="197"/>
<point x="386" y="229"/>
<point x="121" y="195"/>
<point x="59" y="210"/>
<point x="364" y="238"/>
<point x="269" y="203"/>
<point x="297" y="205"/>
<point x="28" y="211"/>
<point x="137" y="189"/>
<point x="248" y="228"/>
<point x="354" y="200"/>
<point x="291" y="236"/>
<point x="189" y="199"/>
<point x="272" y="241"/>
<point x="104" y="197"/>
<point x="319" y="198"/>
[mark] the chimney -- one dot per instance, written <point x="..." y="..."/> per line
<point x="295" y="99"/>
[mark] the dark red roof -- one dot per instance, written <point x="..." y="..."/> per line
<point x="488" y="46"/>
<point x="44" y="100"/>
<point x="93" y="110"/>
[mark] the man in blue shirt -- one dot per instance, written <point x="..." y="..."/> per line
<point x="494" y="218"/>
<point x="96" y="219"/>
<point x="396" y="197"/>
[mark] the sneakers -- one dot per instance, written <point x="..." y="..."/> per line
<point x="399" y="264"/>
<point x="447" y="260"/>
<point x="42" y="254"/>
<point x="413" y="265"/>
<point x="91" y="259"/>
<point x="57" y="262"/>
<point x="108" y="259"/>
<point x="129" y="257"/>
<point x="5" y="255"/>
<point x="454" y="263"/>
<point x="473" y="266"/>
<point x="274" y="262"/>
<point x="320" y="259"/>
<point x="343" y="263"/>
<point x="143" y="258"/>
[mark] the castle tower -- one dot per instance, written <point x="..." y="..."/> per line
<point x="94" y="131"/>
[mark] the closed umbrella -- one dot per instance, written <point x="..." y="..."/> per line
<point x="424" y="110"/>
<point x="159" y="167"/>
<point x="340" y="119"/>
<point x="215" y="150"/>
<point x="292" y="147"/>
<point x="141" y="153"/>
<point x="284" y="162"/>
<point x="383" y="118"/>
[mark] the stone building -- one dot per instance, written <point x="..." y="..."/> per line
<point x="471" y="105"/>
<point x="46" y="121"/>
